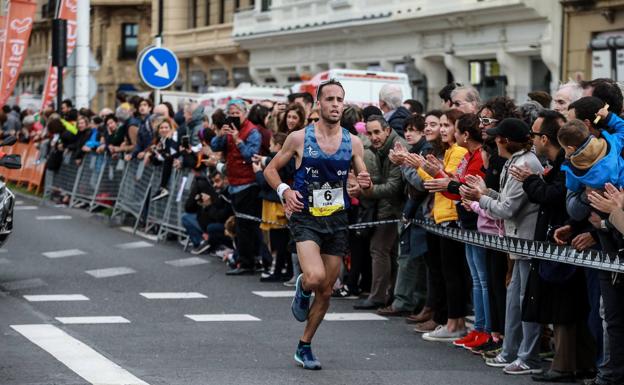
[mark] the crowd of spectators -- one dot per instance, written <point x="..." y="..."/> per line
<point x="548" y="169"/>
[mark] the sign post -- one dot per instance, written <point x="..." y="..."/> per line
<point x="158" y="68"/>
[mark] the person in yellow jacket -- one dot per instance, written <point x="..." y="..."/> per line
<point x="436" y="176"/>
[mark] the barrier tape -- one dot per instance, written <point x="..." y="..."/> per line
<point x="355" y="226"/>
<point x="527" y="248"/>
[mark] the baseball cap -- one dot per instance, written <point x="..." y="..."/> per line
<point x="513" y="129"/>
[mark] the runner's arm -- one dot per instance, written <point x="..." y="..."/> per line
<point x="291" y="199"/>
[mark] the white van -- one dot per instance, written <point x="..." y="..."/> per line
<point x="245" y="91"/>
<point x="361" y="87"/>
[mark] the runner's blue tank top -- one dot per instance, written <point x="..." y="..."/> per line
<point x="322" y="179"/>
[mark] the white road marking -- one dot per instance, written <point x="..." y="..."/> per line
<point x="53" y="217"/>
<point x="141" y="234"/>
<point x="110" y="272"/>
<point x="134" y="245"/>
<point x="275" y="293"/>
<point x="190" y="295"/>
<point x="77" y="356"/>
<point x="55" y="297"/>
<point x="193" y="261"/>
<point x="23" y="284"/>
<point x="63" y="253"/>
<point x="221" y="317"/>
<point x="4" y="251"/>
<point x="92" y="320"/>
<point x="354" y="317"/>
<point x="25" y="208"/>
<point x="4" y="261"/>
<point x="18" y="203"/>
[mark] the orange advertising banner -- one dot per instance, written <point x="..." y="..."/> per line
<point x="2" y="34"/>
<point x="19" y="22"/>
<point x="67" y="10"/>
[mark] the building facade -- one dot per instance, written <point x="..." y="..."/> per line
<point x="593" y="45"/>
<point x="119" y="30"/>
<point x="501" y="46"/>
<point x="200" y="33"/>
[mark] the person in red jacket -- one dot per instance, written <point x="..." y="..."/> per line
<point x="240" y="140"/>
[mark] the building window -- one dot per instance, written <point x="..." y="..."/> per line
<point x="265" y="6"/>
<point x="192" y="14"/>
<point x="129" y="40"/>
<point x="486" y="77"/>
<point x="236" y="5"/>
<point x="222" y="12"/>
<point x="208" y="12"/>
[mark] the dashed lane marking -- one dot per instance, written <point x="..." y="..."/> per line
<point x="130" y="230"/>
<point x="275" y="293"/>
<point x="110" y="272"/>
<point x="184" y="262"/>
<point x="2" y="251"/>
<point x="53" y="217"/>
<point x="4" y="261"/>
<point x="134" y="245"/>
<point x="55" y="297"/>
<point x="92" y="320"/>
<point x="77" y="356"/>
<point x="25" y="208"/>
<point x="221" y="317"/>
<point x="63" y="253"/>
<point x="19" y="203"/>
<point x="23" y="284"/>
<point x="354" y="317"/>
<point x="189" y="295"/>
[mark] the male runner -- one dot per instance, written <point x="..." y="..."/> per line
<point x="318" y="202"/>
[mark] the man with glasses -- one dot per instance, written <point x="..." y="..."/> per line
<point x="317" y="204"/>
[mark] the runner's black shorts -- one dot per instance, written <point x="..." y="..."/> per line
<point x="331" y="233"/>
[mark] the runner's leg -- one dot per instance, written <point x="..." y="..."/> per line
<point x="331" y="264"/>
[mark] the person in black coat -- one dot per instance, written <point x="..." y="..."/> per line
<point x="556" y="293"/>
<point x="206" y="210"/>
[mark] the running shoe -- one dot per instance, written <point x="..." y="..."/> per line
<point x="343" y="293"/>
<point x="488" y="346"/>
<point x="468" y="338"/>
<point x="479" y="340"/>
<point x="497" y="362"/>
<point x="521" y="367"/>
<point x="306" y="359"/>
<point x="301" y="302"/>
<point x="442" y="334"/>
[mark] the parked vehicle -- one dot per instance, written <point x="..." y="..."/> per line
<point x="361" y="87"/>
<point x="7" y="199"/>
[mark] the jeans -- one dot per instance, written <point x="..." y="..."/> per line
<point x="247" y="233"/>
<point x="194" y="231"/>
<point x="475" y="256"/>
<point x="521" y="338"/>
<point x="612" y="370"/>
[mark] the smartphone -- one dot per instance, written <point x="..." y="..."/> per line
<point x="233" y="122"/>
<point x="185" y="142"/>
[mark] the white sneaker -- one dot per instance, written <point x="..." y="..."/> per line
<point x="441" y="333"/>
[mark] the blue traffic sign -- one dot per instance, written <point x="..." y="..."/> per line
<point x="158" y="67"/>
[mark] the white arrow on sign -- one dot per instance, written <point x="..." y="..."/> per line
<point x="162" y="70"/>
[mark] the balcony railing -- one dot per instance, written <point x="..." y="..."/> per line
<point x="203" y="39"/>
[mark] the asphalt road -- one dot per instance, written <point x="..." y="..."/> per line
<point x="157" y="343"/>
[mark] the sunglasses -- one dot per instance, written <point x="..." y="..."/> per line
<point x="313" y="120"/>
<point x="487" y="121"/>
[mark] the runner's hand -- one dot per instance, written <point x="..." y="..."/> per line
<point x="364" y="180"/>
<point x="292" y="201"/>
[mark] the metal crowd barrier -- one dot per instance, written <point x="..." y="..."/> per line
<point x="181" y="189"/>
<point x="127" y="187"/>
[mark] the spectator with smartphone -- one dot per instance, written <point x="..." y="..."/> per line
<point x="239" y="140"/>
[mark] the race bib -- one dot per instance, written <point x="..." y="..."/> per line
<point x="327" y="201"/>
